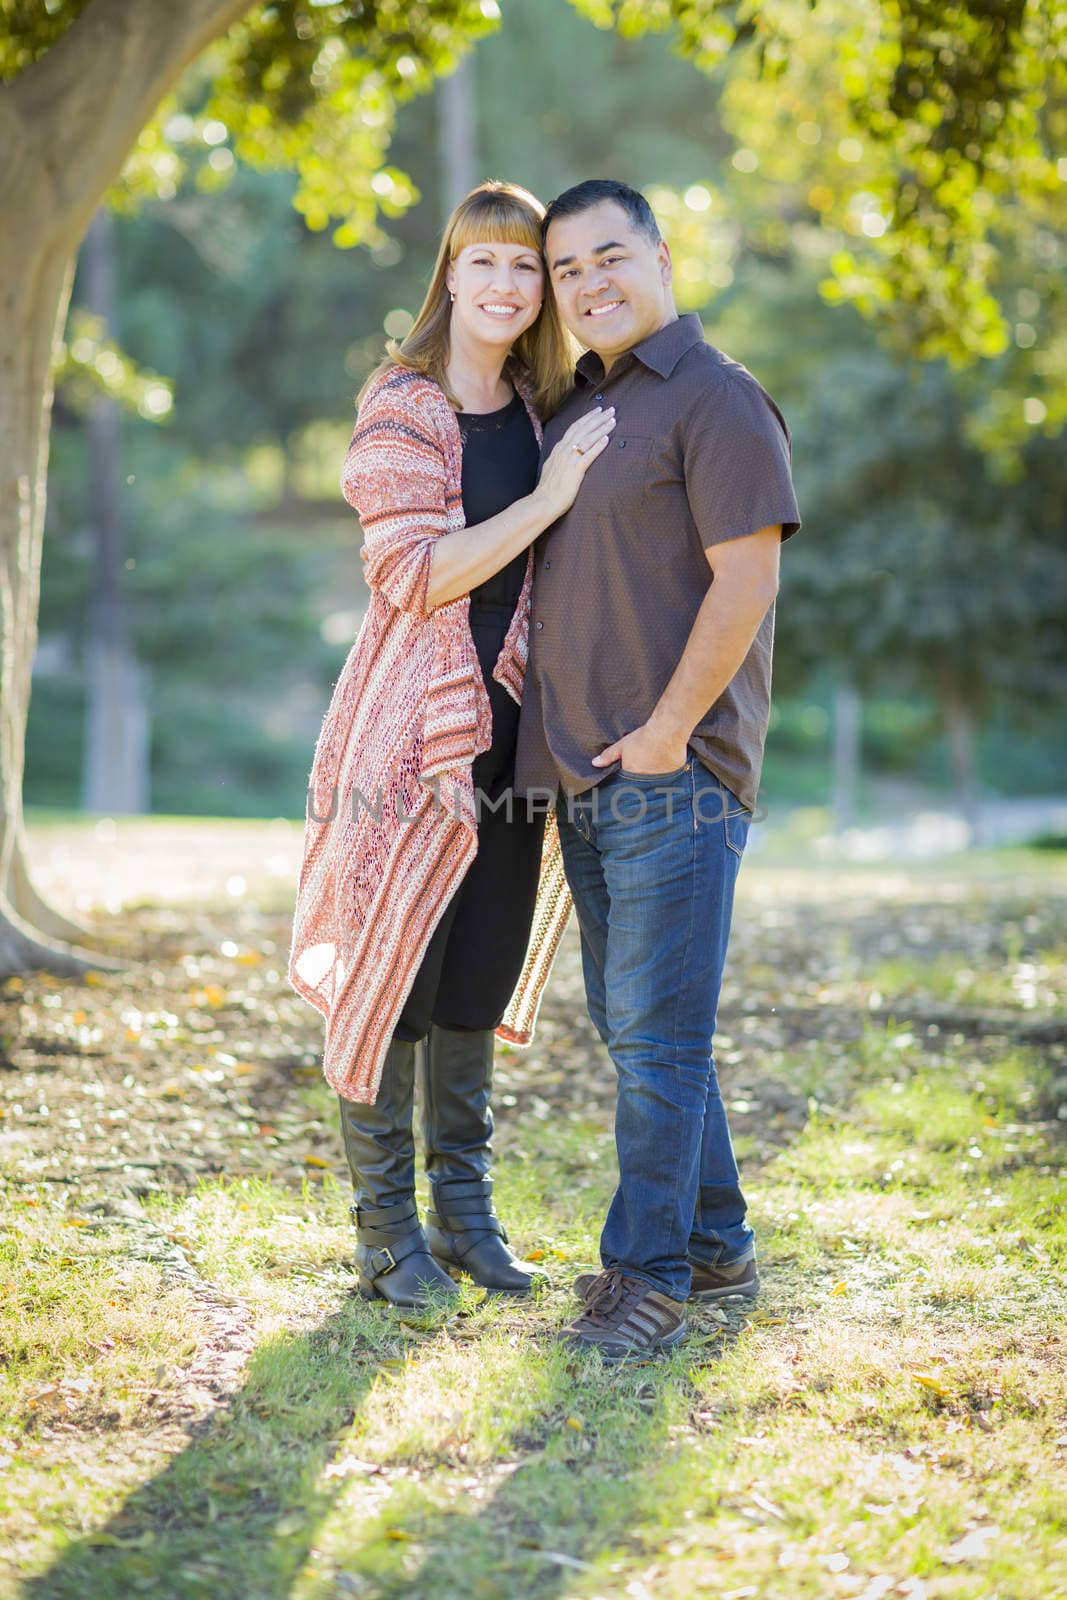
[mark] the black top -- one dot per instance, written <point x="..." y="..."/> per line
<point x="500" y="460"/>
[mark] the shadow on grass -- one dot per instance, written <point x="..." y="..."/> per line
<point x="549" y="1523"/>
<point x="235" y="1513"/>
<point x="239" y="1512"/>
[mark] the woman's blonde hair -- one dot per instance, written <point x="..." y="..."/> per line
<point x="493" y="213"/>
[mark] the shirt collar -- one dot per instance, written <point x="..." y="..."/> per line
<point x="660" y="352"/>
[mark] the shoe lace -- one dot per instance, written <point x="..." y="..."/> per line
<point x="607" y="1297"/>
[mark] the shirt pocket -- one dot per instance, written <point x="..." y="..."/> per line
<point x="628" y="459"/>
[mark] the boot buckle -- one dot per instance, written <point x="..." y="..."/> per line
<point x="383" y="1261"/>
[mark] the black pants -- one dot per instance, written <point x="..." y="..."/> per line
<point x="475" y="956"/>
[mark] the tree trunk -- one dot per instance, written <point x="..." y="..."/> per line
<point x="66" y="125"/>
<point x="847" y="719"/>
<point x="960" y="731"/>
<point x="457" y="135"/>
<point x="115" y="765"/>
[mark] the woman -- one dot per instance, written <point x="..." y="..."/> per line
<point x="418" y="889"/>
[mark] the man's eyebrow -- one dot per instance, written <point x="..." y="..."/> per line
<point x="598" y="250"/>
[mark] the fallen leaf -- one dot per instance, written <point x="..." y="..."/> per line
<point x="877" y="1588"/>
<point x="560" y="1560"/>
<point x="315" y="1161"/>
<point x="972" y="1547"/>
<point x="840" y="1288"/>
<point x="935" y="1385"/>
<point x="573" y="1422"/>
<point x="767" y="1505"/>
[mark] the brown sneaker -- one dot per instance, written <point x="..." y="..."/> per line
<point x="625" y="1316"/>
<point x="739" y="1280"/>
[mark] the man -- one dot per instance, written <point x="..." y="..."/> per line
<point x="646" y="703"/>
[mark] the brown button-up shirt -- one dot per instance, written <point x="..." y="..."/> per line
<point x="700" y="454"/>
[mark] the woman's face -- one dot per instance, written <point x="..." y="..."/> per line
<point x="498" y="290"/>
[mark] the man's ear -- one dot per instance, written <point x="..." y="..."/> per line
<point x="666" y="265"/>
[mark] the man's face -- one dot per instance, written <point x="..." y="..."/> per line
<point x="612" y="284"/>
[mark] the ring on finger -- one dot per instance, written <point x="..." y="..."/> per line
<point x="577" y="449"/>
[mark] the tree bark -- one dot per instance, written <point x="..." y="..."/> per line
<point x="66" y="125"/>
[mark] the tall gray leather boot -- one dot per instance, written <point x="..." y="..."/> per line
<point x="392" y="1254"/>
<point x="462" y="1229"/>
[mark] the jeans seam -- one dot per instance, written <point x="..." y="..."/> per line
<point x="693" y="851"/>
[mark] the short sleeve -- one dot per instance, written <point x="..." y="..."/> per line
<point x="737" y="462"/>
<point x="396" y="479"/>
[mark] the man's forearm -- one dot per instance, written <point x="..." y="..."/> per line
<point x="720" y="639"/>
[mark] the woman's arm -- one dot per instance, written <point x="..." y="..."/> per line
<point x="395" y="478"/>
<point x="466" y="558"/>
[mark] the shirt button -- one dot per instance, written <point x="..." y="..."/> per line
<point x="600" y="397"/>
<point x="547" y="565"/>
<point x="540" y="624"/>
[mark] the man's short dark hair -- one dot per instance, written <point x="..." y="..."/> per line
<point x="593" y="192"/>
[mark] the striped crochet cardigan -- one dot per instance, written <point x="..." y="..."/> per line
<point x="391" y="824"/>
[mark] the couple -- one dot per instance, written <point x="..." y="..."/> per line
<point x="447" y="831"/>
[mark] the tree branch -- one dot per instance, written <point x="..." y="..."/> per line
<point x="82" y="105"/>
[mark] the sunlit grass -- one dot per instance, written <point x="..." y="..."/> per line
<point x="895" y="1394"/>
<point x="888" y="1415"/>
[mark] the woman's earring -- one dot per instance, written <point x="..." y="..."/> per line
<point x="451" y="296"/>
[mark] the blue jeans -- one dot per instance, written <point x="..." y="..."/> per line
<point x="652" y="862"/>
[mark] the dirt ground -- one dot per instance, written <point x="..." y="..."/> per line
<point x="197" y="1059"/>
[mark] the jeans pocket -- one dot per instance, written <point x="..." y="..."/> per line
<point x="735" y="821"/>
<point x="654" y="777"/>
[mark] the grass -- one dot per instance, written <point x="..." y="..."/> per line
<point x="890" y="1420"/>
